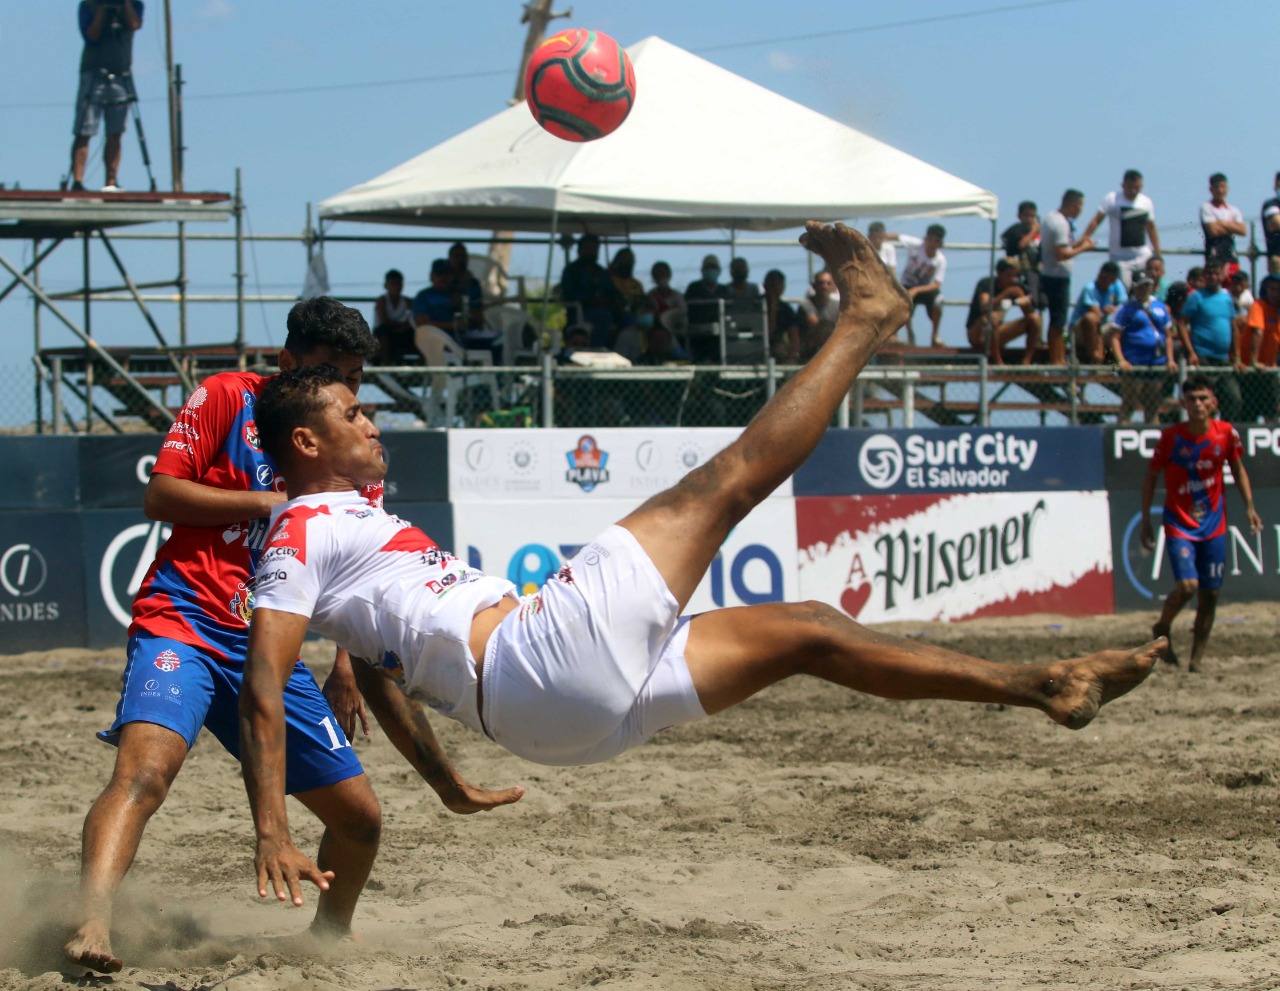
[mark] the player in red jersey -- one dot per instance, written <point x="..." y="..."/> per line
<point x="599" y="659"/>
<point x="1190" y="455"/>
<point x="187" y="643"/>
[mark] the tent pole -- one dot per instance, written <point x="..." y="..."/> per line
<point x="546" y="285"/>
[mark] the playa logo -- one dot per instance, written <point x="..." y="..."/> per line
<point x="167" y="661"/>
<point x="588" y="465"/>
<point x="120" y="574"/>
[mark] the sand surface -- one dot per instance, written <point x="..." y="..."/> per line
<point x="810" y="839"/>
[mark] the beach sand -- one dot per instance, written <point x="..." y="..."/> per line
<point x="809" y="839"/>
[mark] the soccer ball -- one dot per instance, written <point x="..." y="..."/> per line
<point x="580" y="85"/>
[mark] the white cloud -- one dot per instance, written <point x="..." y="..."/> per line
<point x="783" y="62"/>
<point x="216" y="10"/>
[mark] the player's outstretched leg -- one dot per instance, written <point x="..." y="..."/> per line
<point x="682" y="529"/>
<point x="1178" y="597"/>
<point x="352" y="827"/>
<point x="1206" y="611"/>
<point x="734" y="653"/>
<point x="148" y="759"/>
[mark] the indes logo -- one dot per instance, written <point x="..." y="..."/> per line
<point x="587" y="464"/>
<point x="167" y="661"/>
<point x="880" y="461"/>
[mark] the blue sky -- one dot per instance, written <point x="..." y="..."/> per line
<point x="310" y="97"/>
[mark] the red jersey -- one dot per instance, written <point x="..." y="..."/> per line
<point x="199" y="588"/>
<point x="1193" y="506"/>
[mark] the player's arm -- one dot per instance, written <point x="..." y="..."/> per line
<point x="1241" y="475"/>
<point x="406" y="726"/>
<point x="343" y="695"/>
<point x="275" y="638"/>
<point x="1093" y="225"/>
<point x="131" y="15"/>
<point x="1117" y="349"/>
<point x="1155" y="237"/>
<point x="191" y="503"/>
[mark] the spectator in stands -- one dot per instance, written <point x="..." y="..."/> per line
<point x="1098" y="300"/>
<point x="1238" y="286"/>
<point x="818" y="314"/>
<point x="1271" y="229"/>
<point x="1258" y="346"/>
<point x="468" y="302"/>
<point x="886" y="244"/>
<point x="106" y="84"/>
<point x="434" y="305"/>
<point x="1058" y="249"/>
<point x="922" y="279"/>
<point x="630" y="342"/>
<point x="393" y="322"/>
<point x="783" y="321"/>
<point x="661" y="348"/>
<point x="1143" y="348"/>
<point x="993" y="296"/>
<point x="1208" y="336"/>
<point x="701" y="295"/>
<point x="585" y="282"/>
<point x="664" y="297"/>
<point x="1221" y="223"/>
<point x="1195" y="278"/>
<point x="1155" y="269"/>
<point x="1131" y="221"/>
<point x="1022" y="244"/>
<point x="743" y="299"/>
<point x="622" y="269"/>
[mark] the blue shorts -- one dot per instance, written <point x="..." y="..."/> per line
<point x="174" y="685"/>
<point x="100" y="95"/>
<point x="1202" y="560"/>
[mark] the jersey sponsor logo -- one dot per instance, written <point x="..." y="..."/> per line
<point x="167" y="661"/>
<point x="360" y="514"/>
<point x="588" y="464"/>
<point x="530" y="606"/>
<point x="264" y="475"/>
<point x="185" y="428"/>
<point x="241" y="604"/>
<point x="452" y="579"/>
<point x="248" y="398"/>
<point x="177" y="445"/>
<point x="252" y="532"/>
<point x="197" y="398"/>
<point x="391" y="666"/>
<point x="251" y="436"/>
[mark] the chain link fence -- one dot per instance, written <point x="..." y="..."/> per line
<point x="76" y="397"/>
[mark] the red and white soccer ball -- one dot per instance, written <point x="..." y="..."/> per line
<point x="580" y="85"/>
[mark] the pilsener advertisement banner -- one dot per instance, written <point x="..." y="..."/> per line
<point x="901" y="462"/>
<point x="527" y="544"/>
<point x="939" y="557"/>
<point x="578" y="465"/>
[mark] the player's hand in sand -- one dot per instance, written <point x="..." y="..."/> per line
<point x="465" y="799"/>
<point x="284" y="867"/>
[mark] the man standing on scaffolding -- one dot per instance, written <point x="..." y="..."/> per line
<point x="106" y="86"/>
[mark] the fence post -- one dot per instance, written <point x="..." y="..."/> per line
<point x="56" y="387"/>
<point x="909" y="402"/>
<point x="548" y="391"/>
<point x="771" y="376"/>
<point x="984" y="413"/>
<point x="842" y="414"/>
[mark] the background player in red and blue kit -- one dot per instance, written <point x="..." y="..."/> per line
<point x="213" y="482"/>
<point x="1191" y="455"/>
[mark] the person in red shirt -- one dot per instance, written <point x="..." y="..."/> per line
<point x="189" y="636"/>
<point x="1190" y="457"/>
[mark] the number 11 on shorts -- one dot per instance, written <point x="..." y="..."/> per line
<point x="337" y="740"/>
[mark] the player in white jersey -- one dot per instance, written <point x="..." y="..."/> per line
<point x="600" y="658"/>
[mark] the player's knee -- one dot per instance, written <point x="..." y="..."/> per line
<point x="821" y="622"/>
<point x="1188" y="586"/>
<point x="146" y="785"/>
<point x="361" y="821"/>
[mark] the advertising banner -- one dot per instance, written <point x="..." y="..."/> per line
<point x="578" y="465"/>
<point x="527" y="544"/>
<point x="1143" y="578"/>
<point x="39" y="473"/>
<point x="938" y="557"/>
<point x="1127" y="452"/>
<point x="893" y="462"/>
<point x="41" y="583"/>
<point x="118" y="548"/>
<point x="114" y="470"/>
<point x="417" y="466"/>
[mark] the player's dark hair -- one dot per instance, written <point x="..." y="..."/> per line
<point x="1109" y="268"/>
<point x="288" y="400"/>
<point x="937" y="230"/>
<point x="1198" y="382"/>
<point x="324" y="321"/>
<point x="1026" y="205"/>
<point x="1071" y="196"/>
<point x="1132" y="174"/>
<point x="1217" y="177"/>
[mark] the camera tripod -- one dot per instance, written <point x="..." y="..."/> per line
<point x="131" y="100"/>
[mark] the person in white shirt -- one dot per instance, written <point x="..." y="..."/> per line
<point x="1058" y="248"/>
<point x="1221" y="223"/>
<point x="1132" y="237"/>
<point x="922" y="279"/>
<point x="600" y="658"/>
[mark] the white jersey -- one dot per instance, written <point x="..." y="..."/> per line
<point x="382" y="589"/>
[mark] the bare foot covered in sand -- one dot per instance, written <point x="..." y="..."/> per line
<point x="1078" y="688"/>
<point x="91" y="947"/>
<point x="864" y="283"/>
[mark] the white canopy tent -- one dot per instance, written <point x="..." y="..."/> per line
<point x="703" y="148"/>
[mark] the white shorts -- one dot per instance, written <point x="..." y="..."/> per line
<point x="592" y="664"/>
